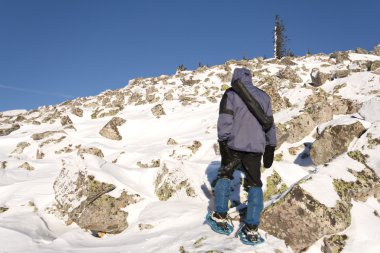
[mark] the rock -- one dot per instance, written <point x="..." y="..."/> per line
<point x="195" y="146"/>
<point x="275" y="186"/>
<point x="3" y="164"/>
<point x="145" y="226"/>
<point x="295" y="130"/>
<point x="66" y="121"/>
<point x="361" y="51"/>
<point x="334" y="243"/>
<point x="153" y="164"/>
<point x="370" y="110"/>
<point x="270" y="86"/>
<point x="26" y="166"/>
<point x="344" y="106"/>
<point x="92" y="151"/>
<point x="40" y="154"/>
<point x="20" y="147"/>
<point x="40" y="136"/>
<point x="375" y="65"/>
<point x="110" y="130"/>
<point x="77" y="111"/>
<point x="301" y="220"/>
<point x="171" y="142"/>
<point x="334" y="141"/>
<point x="7" y="131"/>
<point x="150" y="94"/>
<point x="287" y="61"/>
<point x="289" y="74"/>
<point x="158" y="111"/>
<point x="84" y="200"/>
<point x="318" y="78"/>
<point x="319" y="108"/>
<point x="168" y="182"/>
<point x="341" y="73"/>
<point x="376" y="50"/>
<point x="340" y="56"/>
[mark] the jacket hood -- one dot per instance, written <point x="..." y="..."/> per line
<point x="244" y="75"/>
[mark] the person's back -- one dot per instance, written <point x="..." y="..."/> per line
<point x="243" y="140"/>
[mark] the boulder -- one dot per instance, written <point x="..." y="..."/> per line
<point x="318" y="78"/>
<point x="370" y="110"/>
<point x="301" y="220"/>
<point x="40" y="136"/>
<point x="376" y="50"/>
<point x="361" y="51"/>
<point x="319" y="107"/>
<point x="344" y="106"/>
<point x="26" y="166"/>
<point x="375" y="65"/>
<point x="20" y="147"/>
<point x="289" y="74"/>
<point x="83" y="199"/>
<point x="110" y="130"/>
<point x="334" y="141"/>
<point x="7" y="131"/>
<point x="340" y="56"/>
<point x="77" y="111"/>
<point x="295" y="130"/>
<point x="334" y="243"/>
<point x="158" y="111"/>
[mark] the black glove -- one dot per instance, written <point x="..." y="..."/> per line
<point x="268" y="156"/>
<point x="225" y="152"/>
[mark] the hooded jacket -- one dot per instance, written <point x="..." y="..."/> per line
<point x="237" y="125"/>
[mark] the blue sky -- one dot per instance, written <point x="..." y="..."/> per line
<point x="55" y="50"/>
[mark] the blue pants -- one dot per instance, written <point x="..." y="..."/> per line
<point x="255" y="200"/>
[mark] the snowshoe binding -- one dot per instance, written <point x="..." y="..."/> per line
<point x="249" y="235"/>
<point x="219" y="223"/>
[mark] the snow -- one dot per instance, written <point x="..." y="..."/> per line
<point x="31" y="224"/>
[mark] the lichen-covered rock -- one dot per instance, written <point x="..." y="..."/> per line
<point x="344" y="106"/>
<point x="334" y="243"/>
<point x="158" y="111"/>
<point x="301" y="220"/>
<point x="274" y="187"/>
<point x="270" y="85"/>
<point x="289" y="74"/>
<point x="7" y="131"/>
<point x="168" y="182"/>
<point x="319" y="108"/>
<point x="334" y="141"/>
<point x="110" y="130"/>
<point x="295" y="130"/>
<point x="83" y="199"/>
<point x="20" y="147"/>
<point x="318" y="78"/>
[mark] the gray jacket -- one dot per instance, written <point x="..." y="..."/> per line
<point x="237" y="125"/>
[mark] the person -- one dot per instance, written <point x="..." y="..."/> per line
<point x="246" y="133"/>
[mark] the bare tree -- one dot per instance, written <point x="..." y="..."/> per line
<point x="279" y="38"/>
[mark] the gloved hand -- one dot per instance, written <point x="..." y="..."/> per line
<point x="268" y="156"/>
<point x="225" y="152"/>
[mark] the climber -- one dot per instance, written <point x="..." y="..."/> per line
<point x="246" y="133"/>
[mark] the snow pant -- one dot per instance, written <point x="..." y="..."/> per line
<point x="251" y="163"/>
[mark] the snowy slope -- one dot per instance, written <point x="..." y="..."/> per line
<point x="190" y="100"/>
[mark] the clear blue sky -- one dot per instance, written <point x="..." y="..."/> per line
<point x="55" y="50"/>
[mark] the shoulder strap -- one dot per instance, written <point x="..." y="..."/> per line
<point x="252" y="105"/>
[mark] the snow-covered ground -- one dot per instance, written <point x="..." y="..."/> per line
<point x="30" y="225"/>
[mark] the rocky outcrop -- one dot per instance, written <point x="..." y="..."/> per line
<point x="295" y="130"/>
<point x="319" y="107"/>
<point x="301" y="220"/>
<point x="77" y="111"/>
<point x="270" y="85"/>
<point x="40" y="136"/>
<point x="376" y="50"/>
<point x="340" y="56"/>
<point x="344" y="106"/>
<point x="7" y="131"/>
<point x="318" y="78"/>
<point x="334" y="141"/>
<point x="110" y="130"/>
<point x="360" y="50"/>
<point x="26" y="166"/>
<point x="91" y="150"/>
<point x="83" y="199"/>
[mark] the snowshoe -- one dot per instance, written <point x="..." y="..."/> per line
<point x="219" y="223"/>
<point x="249" y="235"/>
